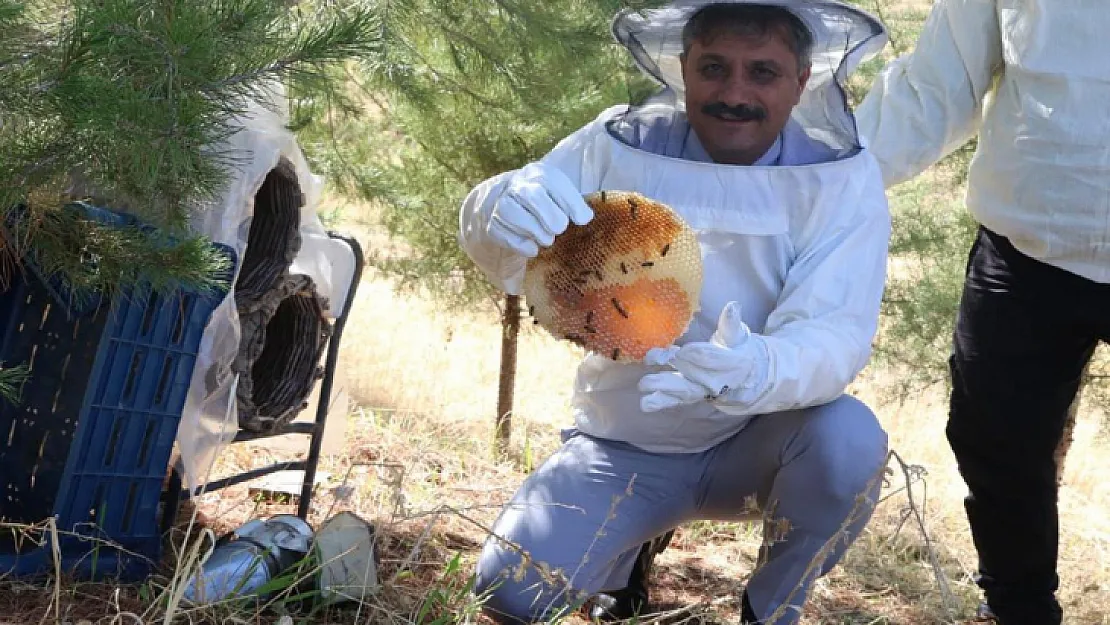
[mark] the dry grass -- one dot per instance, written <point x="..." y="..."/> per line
<point x="419" y="456"/>
<point x="417" y="462"/>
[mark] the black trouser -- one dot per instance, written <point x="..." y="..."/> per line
<point x="1024" y="334"/>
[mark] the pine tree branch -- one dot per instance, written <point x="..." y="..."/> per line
<point x="93" y="257"/>
<point x="126" y="102"/>
<point x="11" y="382"/>
<point x="442" y="78"/>
<point x="468" y="90"/>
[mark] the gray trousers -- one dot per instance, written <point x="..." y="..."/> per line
<point x="583" y="515"/>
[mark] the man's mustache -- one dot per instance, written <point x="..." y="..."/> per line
<point x="740" y="113"/>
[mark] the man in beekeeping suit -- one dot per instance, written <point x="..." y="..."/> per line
<point x="751" y="141"/>
<point x="1031" y="78"/>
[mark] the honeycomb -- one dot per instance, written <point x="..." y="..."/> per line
<point x="627" y="281"/>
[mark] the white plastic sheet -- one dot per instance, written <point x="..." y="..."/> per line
<point x="210" y="420"/>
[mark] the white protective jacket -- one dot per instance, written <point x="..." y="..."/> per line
<point x="802" y="248"/>
<point x="1032" y="78"/>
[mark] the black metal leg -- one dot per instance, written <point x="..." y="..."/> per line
<point x="329" y="376"/>
<point x="288" y="465"/>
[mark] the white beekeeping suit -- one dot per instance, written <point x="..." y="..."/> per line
<point x="750" y="401"/>
<point x="1029" y="78"/>
<point x="776" y="239"/>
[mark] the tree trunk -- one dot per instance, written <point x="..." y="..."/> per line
<point x="510" y="331"/>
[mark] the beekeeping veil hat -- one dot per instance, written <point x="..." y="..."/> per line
<point x="843" y="38"/>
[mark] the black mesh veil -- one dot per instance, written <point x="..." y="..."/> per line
<point x="844" y="37"/>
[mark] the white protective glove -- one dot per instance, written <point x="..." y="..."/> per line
<point x="537" y="205"/>
<point x="731" y="367"/>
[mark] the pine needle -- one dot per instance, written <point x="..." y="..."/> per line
<point x="11" y="382"/>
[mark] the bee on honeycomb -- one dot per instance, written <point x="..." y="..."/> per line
<point x="627" y="281"/>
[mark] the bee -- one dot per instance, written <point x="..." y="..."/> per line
<point x="620" y="309"/>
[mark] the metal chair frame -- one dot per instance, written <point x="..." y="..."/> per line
<point x="175" y="494"/>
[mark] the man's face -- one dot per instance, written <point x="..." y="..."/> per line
<point x="740" y="91"/>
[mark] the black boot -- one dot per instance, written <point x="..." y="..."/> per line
<point x="632" y="600"/>
<point x="985" y="615"/>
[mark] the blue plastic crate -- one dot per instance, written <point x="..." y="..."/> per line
<point x="90" y="441"/>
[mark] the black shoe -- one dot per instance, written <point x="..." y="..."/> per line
<point x="1038" y="614"/>
<point x="985" y="615"/>
<point x="632" y="600"/>
<point x="618" y="605"/>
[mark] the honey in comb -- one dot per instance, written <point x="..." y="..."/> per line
<point x="627" y="281"/>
